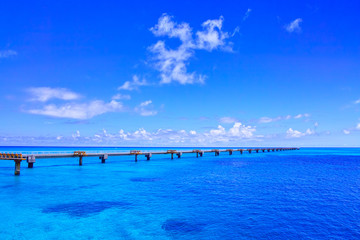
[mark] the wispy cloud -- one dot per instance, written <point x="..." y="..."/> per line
<point x="79" y="110"/>
<point x="7" y="53"/>
<point x="172" y="63"/>
<point x="134" y="84"/>
<point x="347" y="132"/>
<point x="121" y="97"/>
<point x="279" y="118"/>
<point x="302" y="115"/>
<point x="357" y="101"/>
<point x="294" y="26"/>
<point x="247" y="14"/>
<point x="43" y="94"/>
<point x="146" y="109"/>
<point x="290" y="133"/>
<point x="228" y="120"/>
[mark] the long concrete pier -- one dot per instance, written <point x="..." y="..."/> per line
<point x="31" y="158"/>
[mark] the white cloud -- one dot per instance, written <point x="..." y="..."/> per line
<point x="212" y="37"/>
<point x="220" y="134"/>
<point x="275" y="119"/>
<point x="79" y="110"/>
<point x="7" y="53"/>
<point x="43" y="94"/>
<point x="247" y="14"/>
<point x="134" y="84"/>
<point x="290" y="133"/>
<point x="269" y="120"/>
<point x="294" y="26"/>
<point x="121" y="97"/>
<point x="357" y="101"/>
<point x="358" y="126"/>
<point x="146" y="109"/>
<point x="346" y="131"/>
<point x="172" y="63"/>
<point x="76" y="135"/>
<point x="316" y="124"/>
<point x="302" y="116"/>
<point x="228" y="120"/>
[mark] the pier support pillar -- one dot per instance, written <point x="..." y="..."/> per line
<point x="172" y="156"/>
<point x="201" y="153"/>
<point x="230" y="153"/>
<point x="249" y="151"/>
<point x="241" y="151"/>
<point x="17" y="167"/>
<point x="197" y="154"/>
<point x="103" y="158"/>
<point x="80" y="161"/>
<point x="30" y="160"/>
<point x="179" y="154"/>
<point x="217" y="153"/>
<point x="148" y="156"/>
<point x="136" y="157"/>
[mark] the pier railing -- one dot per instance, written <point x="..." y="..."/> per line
<point x="31" y="157"/>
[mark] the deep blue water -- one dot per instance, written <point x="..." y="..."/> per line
<point x="306" y="194"/>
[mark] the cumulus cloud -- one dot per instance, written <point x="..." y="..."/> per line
<point x="43" y="94"/>
<point x="76" y="134"/>
<point x="290" y="133"/>
<point x="79" y="110"/>
<point x="237" y="132"/>
<point x="7" y="53"/>
<point x="172" y="63"/>
<point x="146" y="109"/>
<point x="134" y="84"/>
<point x="228" y="120"/>
<point x="294" y="26"/>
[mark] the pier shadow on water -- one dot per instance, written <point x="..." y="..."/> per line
<point x="182" y="227"/>
<point x="144" y="179"/>
<point x="84" y="209"/>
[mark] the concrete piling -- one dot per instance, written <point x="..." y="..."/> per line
<point x="30" y="160"/>
<point x="148" y="156"/>
<point x="103" y="158"/>
<point x="17" y="167"/>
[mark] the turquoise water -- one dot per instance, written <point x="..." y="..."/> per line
<point x="305" y="194"/>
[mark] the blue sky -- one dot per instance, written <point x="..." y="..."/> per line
<point x="190" y="73"/>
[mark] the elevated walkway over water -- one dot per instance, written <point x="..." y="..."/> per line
<point x="31" y="158"/>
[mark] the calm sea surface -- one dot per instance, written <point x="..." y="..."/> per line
<point x="306" y="194"/>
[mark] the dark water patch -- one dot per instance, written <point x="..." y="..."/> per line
<point x="8" y="186"/>
<point x="141" y="179"/>
<point x="84" y="209"/>
<point x="181" y="226"/>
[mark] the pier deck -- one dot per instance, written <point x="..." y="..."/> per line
<point x="31" y="158"/>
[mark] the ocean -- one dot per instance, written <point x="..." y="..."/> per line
<point x="311" y="193"/>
